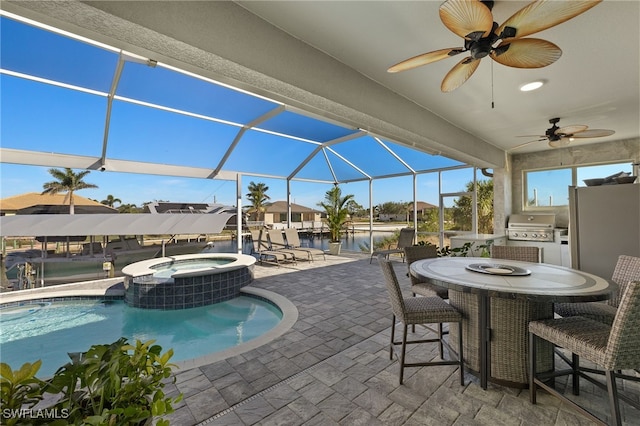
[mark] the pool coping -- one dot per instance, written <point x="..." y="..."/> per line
<point x="146" y="267"/>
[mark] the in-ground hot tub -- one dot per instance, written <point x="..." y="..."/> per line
<point x="187" y="281"/>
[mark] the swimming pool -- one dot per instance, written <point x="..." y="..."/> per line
<point x="48" y="330"/>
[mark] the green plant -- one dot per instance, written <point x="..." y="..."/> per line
<point x="18" y="389"/>
<point x="112" y="384"/>
<point x="462" y="251"/>
<point x="335" y="205"/>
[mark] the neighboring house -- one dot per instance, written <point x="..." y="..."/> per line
<point x="276" y="212"/>
<point x="422" y="208"/>
<point x="36" y="203"/>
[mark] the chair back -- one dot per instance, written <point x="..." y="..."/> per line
<point x="293" y="239"/>
<point x="413" y="253"/>
<point x="623" y="347"/>
<point x="276" y="238"/>
<point x="406" y="237"/>
<point x="256" y="234"/>
<point x="627" y="269"/>
<point x="524" y="254"/>
<point x="393" y="288"/>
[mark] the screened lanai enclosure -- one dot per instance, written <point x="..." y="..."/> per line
<point x="68" y="101"/>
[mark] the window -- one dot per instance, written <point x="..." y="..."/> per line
<point x="549" y="188"/>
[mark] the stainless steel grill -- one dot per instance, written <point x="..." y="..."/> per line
<point x="531" y="227"/>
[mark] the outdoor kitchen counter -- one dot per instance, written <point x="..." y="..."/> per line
<point x="497" y="309"/>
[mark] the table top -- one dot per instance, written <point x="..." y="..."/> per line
<point x="546" y="282"/>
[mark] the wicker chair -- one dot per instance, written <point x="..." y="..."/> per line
<point x="627" y="269"/>
<point x="525" y="254"/>
<point x="613" y="348"/>
<point x="418" y="310"/>
<point x="405" y="239"/>
<point x="413" y="253"/>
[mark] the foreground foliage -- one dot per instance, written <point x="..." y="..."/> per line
<point x="112" y="384"/>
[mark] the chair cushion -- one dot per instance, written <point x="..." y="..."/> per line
<point x="582" y="336"/>
<point x="426" y="310"/>
<point x="596" y="311"/>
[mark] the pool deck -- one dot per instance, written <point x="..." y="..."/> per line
<point x="332" y="367"/>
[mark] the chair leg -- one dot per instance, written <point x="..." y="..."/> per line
<point x="404" y="350"/>
<point x="613" y="398"/>
<point x="532" y="368"/>
<point x="440" y="340"/>
<point x="575" y="375"/>
<point x="460" y="353"/>
<point x="393" y="335"/>
<point x="413" y="326"/>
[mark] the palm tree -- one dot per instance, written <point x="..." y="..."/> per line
<point x="69" y="182"/>
<point x="257" y="196"/>
<point x="128" y="208"/>
<point x="335" y="206"/>
<point x="111" y="200"/>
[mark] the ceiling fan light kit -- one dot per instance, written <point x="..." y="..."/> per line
<point x="534" y="85"/>
<point x="473" y="21"/>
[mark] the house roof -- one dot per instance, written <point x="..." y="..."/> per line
<point x="422" y="205"/>
<point x="281" y="207"/>
<point x="31" y="199"/>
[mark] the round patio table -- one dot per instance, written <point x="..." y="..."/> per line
<point x="498" y="299"/>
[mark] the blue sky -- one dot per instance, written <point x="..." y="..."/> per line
<point x="49" y="118"/>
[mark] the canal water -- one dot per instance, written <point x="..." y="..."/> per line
<point x="357" y="242"/>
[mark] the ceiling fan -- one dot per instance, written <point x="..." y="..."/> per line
<point x="472" y="20"/>
<point x="562" y="136"/>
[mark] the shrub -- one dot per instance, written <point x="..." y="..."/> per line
<point x="111" y="384"/>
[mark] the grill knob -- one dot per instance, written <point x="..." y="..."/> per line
<point x="524" y="235"/>
<point x="535" y="235"/>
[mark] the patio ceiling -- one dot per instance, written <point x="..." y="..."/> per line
<point x="103" y="108"/>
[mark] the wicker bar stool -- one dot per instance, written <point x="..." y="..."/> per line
<point x="413" y="253"/>
<point x="627" y="269"/>
<point x="525" y="254"/>
<point x="613" y="347"/>
<point x="418" y="310"/>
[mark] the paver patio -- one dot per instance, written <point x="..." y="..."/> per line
<point x="333" y="367"/>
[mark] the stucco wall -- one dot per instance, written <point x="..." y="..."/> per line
<point x="574" y="155"/>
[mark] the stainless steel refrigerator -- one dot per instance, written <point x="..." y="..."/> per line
<point x="604" y="222"/>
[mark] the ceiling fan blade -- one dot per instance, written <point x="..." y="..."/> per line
<point x="542" y="14"/>
<point x="540" y="137"/>
<point x="459" y="74"/>
<point x="526" y="53"/>
<point x="522" y="145"/>
<point x="471" y="20"/>
<point x="424" y="59"/>
<point x="559" y="143"/>
<point x="571" y="130"/>
<point x="594" y="133"/>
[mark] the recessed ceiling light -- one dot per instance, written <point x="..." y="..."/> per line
<point x="531" y="86"/>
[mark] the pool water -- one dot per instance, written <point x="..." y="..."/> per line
<point x="48" y="331"/>
<point x="167" y="270"/>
